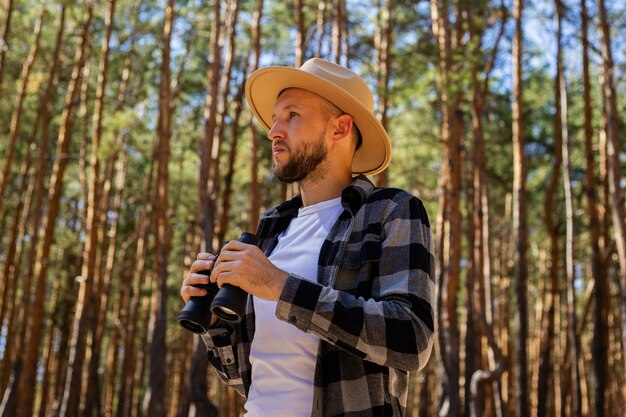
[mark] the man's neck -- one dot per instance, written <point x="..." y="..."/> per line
<point x="327" y="189"/>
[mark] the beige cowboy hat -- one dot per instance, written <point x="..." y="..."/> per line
<point x="335" y="83"/>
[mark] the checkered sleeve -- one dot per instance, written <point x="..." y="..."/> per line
<point x="380" y="305"/>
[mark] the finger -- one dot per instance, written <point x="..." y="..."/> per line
<point x="235" y="245"/>
<point x="201" y="265"/>
<point x="195" y="279"/>
<point x="224" y="277"/>
<point x="233" y="253"/>
<point x="221" y="267"/>
<point x="205" y="256"/>
<point x="188" y="291"/>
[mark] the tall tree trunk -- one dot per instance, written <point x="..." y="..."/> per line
<point x="100" y="286"/>
<point x="28" y="382"/>
<point x="43" y="120"/>
<point x="145" y="326"/>
<point x="61" y="332"/>
<point x="480" y="249"/>
<point x="37" y="195"/>
<point x="449" y="229"/>
<point x="339" y="35"/>
<point x="199" y="367"/>
<point x="82" y="224"/>
<point x="4" y="41"/>
<point x="157" y="394"/>
<point x="83" y="122"/>
<point x="192" y="243"/>
<point x="545" y="376"/>
<point x="107" y="386"/>
<point x="134" y="301"/>
<point x="600" y="364"/>
<point x="230" y="173"/>
<point x="255" y="200"/>
<point x="223" y="110"/>
<point x="198" y="376"/>
<point x="300" y="56"/>
<point x="16" y="119"/>
<point x="51" y="361"/>
<point x="87" y="303"/>
<point x="122" y="163"/>
<point x="612" y="129"/>
<point x="320" y="27"/>
<point x="12" y="255"/>
<point x="520" y="228"/>
<point x="572" y="339"/>
<point x="383" y="43"/>
<point x="207" y="205"/>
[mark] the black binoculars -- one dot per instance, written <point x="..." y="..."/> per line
<point x="227" y="303"/>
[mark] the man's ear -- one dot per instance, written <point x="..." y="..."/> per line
<point x="343" y="126"/>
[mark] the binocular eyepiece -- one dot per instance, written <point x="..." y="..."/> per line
<point x="228" y="302"/>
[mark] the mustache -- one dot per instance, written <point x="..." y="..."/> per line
<point x="280" y="143"/>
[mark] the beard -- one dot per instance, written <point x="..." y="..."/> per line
<point x="305" y="163"/>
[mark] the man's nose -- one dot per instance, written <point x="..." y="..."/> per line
<point x="276" y="132"/>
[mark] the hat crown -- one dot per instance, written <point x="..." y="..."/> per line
<point x="342" y="77"/>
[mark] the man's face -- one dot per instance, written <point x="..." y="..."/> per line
<point x="298" y="136"/>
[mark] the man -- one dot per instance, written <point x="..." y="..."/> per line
<point x="342" y="292"/>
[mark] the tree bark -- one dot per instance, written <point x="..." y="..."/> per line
<point x="199" y="367"/>
<point x="520" y="228"/>
<point x="384" y="42"/>
<point x="616" y="193"/>
<point x="300" y="56"/>
<point x="449" y="229"/>
<point x="27" y="383"/>
<point x="320" y="27"/>
<point x="598" y="269"/>
<point x="87" y="303"/>
<point x="207" y="204"/>
<point x="230" y="173"/>
<point x="547" y="324"/>
<point x="13" y="252"/>
<point x="134" y="301"/>
<point x="223" y="110"/>
<point x="480" y="251"/>
<point x="572" y="339"/>
<point x="255" y="200"/>
<point x="157" y="394"/>
<point x="16" y="119"/>
<point x="339" y="35"/>
<point x="4" y="41"/>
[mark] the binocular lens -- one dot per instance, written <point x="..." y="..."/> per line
<point x="196" y="316"/>
<point x="227" y="314"/>
<point x="192" y="326"/>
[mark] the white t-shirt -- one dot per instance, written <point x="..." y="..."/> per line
<point x="282" y="356"/>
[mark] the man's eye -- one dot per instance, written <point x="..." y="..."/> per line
<point x="292" y="114"/>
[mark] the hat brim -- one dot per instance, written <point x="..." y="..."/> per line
<point x="262" y="90"/>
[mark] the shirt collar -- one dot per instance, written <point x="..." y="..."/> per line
<point x="356" y="194"/>
<point x="352" y="198"/>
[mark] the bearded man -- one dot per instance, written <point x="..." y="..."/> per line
<point x="341" y="287"/>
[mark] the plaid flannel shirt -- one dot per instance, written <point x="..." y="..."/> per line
<point x="372" y="305"/>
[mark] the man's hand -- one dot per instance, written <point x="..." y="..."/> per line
<point x="246" y="266"/>
<point x="204" y="262"/>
